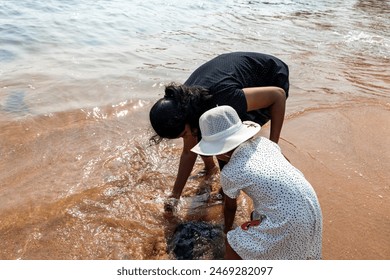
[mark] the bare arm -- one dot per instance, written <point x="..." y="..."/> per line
<point x="187" y="161"/>
<point x="229" y="211"/>
<point x="273" y="98"/>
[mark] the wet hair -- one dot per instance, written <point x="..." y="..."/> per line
<point x="180" y="105"/>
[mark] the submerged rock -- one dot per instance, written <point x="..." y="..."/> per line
<point x="197" y="240"/>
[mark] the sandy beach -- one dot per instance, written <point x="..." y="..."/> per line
<point x="343" y="151"/>
<point x="78" y="178"/>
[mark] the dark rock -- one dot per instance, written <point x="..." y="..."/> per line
<point x="197" y="240"/>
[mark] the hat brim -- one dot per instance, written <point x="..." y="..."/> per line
<point x="221" y="146"/>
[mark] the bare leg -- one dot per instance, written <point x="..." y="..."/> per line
<point x="209" y="165"/>
<point x="230" y="254"/>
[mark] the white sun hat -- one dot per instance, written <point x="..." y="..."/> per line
<point x="222" y="131"/>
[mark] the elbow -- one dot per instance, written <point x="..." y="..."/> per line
<point x="281" y="94"/>
<point x="279" y="99"/>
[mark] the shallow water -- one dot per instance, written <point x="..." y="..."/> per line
<point x="78" y="179"/>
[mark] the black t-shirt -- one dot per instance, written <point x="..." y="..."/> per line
<point x="227" y="74"/>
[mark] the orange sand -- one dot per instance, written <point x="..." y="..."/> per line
<point x="344" y="153"/>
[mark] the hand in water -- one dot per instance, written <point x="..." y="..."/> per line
<point x="170" y="204"/>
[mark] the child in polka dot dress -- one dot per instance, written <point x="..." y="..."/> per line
<point x="287" y="218"/>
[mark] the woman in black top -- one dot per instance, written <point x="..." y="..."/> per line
<point x="256" y="85"/>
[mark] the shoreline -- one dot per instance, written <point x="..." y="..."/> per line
<point x="342" y="151"/>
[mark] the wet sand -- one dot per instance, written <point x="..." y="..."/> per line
<point x="344" y="152"/>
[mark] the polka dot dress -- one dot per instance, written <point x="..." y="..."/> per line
<point x="292" y="227"/>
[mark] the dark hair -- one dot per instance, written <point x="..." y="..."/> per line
<point x="180" y="105"/>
